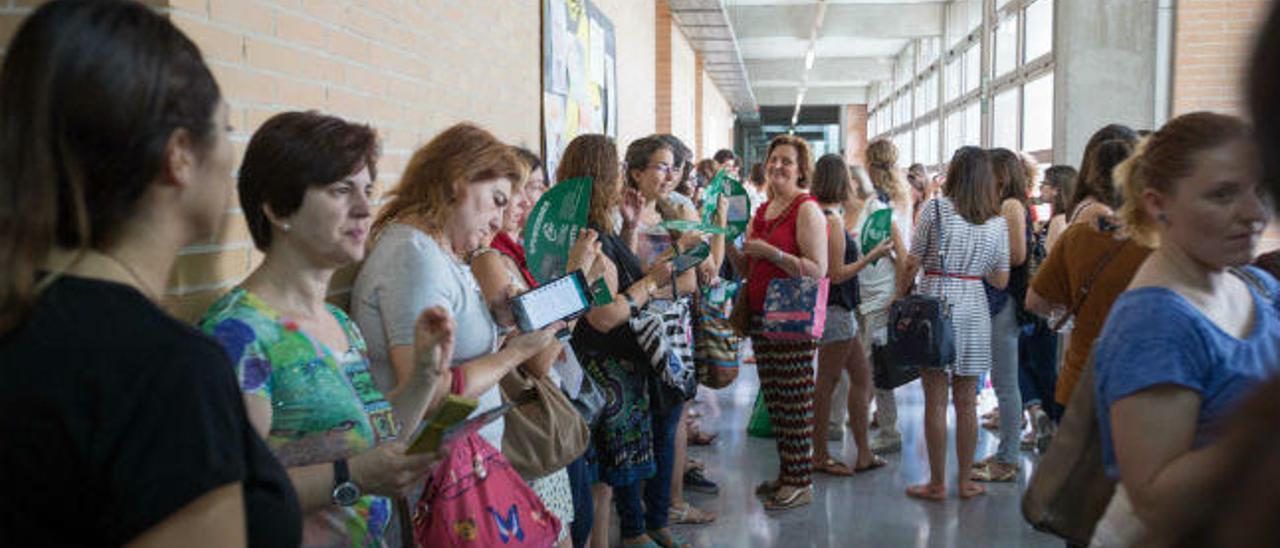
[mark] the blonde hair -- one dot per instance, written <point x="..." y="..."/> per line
<point x="463" y="153"/>
<point x="1164" y="159"/>
<point x="882" y="168"/>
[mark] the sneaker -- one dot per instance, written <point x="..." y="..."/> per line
<point x="695" y="481"/>
<point x="886" y="443"/>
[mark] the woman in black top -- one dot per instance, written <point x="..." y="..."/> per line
<point x="840" y="350"/>
<point x="604" y="343"/>
<point x="120" y="423"/>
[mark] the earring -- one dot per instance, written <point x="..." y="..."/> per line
<point x="285" y="226"/>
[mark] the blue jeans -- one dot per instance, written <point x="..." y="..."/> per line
<point x="1038" y="370"/>
<point x="584" y="508"/>
<point x="1004" y="379"/>
<point x="638" y="515"/>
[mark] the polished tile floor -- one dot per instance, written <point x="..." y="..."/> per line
<point x="867" y="510"/>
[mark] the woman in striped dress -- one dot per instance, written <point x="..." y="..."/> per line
<point x="965" y="224"/>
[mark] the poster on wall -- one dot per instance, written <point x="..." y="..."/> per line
<point x="579" y="78"/>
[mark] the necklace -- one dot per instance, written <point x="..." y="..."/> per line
<point x="142" y="284"/>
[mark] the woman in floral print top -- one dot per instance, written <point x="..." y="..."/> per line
<point x="305" y="186"/>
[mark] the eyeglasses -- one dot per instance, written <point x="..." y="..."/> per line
<point x="662" y="168"/>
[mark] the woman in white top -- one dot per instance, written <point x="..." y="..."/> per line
<point x="449" y="202"/>
<point x="880" y="281"/>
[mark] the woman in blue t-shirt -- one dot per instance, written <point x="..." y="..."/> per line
<point x="1194" y="333"/>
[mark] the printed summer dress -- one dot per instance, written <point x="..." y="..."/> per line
<point x="324" y="404"/>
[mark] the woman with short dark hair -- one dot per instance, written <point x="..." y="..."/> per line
<point x="305" y="186"/>
<point x="121" y="424"/>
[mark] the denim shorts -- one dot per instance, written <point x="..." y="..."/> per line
<point x="841" y="325"/>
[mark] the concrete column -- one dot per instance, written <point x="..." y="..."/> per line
<point x="1106" y="60"/>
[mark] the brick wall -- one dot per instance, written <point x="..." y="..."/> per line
<point x="664" y="30"/>
<point x="1212" y="44"/>
<point x="410" y="69"/>
<point x="855" y="131"/>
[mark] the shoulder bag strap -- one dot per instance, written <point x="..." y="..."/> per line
<point x="1255" y="282"/>
<point x="1083" y="294"/>
<point x="942" y="254"/>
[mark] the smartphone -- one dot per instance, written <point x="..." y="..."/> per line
<point x="691" y="257"/>
<point x="563" y="298"/>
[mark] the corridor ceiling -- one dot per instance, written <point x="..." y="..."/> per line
<point x="853" y="43"/>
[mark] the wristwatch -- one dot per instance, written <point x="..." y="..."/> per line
<point x="345" y="492"/>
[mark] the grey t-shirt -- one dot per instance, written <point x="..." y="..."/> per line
<point x="406" y="273"/>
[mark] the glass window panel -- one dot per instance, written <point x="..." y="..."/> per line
<point x="973" y="124"/>
<point x="975" y="14"/>
<point x="1037" y="114"/>
<point x="903" y="142"/>
<point x="972" y="68"/>
<point x="955" y="76"/>
<point x="927" y="95"/>
<point x="931" y="149"/>
<point x="921" y="147"/>
<point x="1006" y="58"/>
<point x="1004" y="133"/>
<point x="955" y="134"/>
<point x="1039" y="30"/>
<point x="929" y="48"/>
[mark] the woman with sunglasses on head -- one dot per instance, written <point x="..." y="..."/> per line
<point x="121" y="424"/>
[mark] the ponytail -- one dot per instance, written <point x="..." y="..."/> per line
<point x="1130" y="178"/>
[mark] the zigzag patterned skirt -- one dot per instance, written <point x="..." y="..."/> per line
<point x="786" y="378"/>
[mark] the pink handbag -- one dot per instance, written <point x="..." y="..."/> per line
<point x="795" y="309"/>
<point x="474" y="498"/>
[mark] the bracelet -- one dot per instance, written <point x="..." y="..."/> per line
<point x="778" y="256"/>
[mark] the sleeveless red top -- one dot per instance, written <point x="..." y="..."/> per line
<point x="781" y="233"/>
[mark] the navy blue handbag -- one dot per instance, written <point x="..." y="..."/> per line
<point x="921" y="330"/>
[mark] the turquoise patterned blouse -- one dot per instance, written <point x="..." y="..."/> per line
<point x="324" y="404"/>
